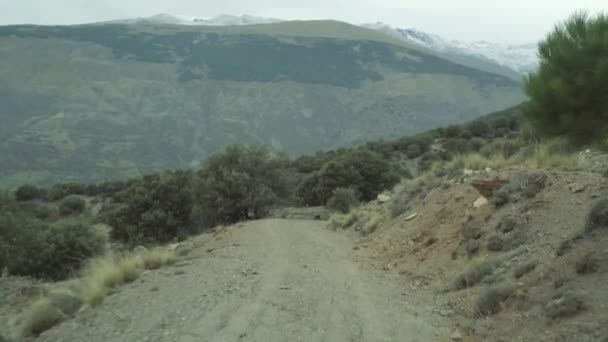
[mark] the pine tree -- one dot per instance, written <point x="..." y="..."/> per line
<point x="569" y="92"/>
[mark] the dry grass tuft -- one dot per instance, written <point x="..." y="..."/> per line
<point x="158" y="257"/>
<point x="474" y="275"/>
<point x="41" y="316"/>
<point x="476" y="161"/>
<point x="555" y="154"/>
<point x="105" y="273"/>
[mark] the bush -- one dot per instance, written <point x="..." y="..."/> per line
<point x="72" y="205"/>
<point x="452" y="131"/>
<point x="29" y="193"/>
<point x="413" y="151"/>
<point x="103" y="274"/>
<point x="42" y="316"/>
<point x="365" y="171"/>
<point x="238" y="183"/>
<point x="153" y="209"/>
<point x="50" y="251"/>
<point x="588" y="264"/>
<point x="598" y="216"/>
<point x="60" y="191"/>
<point x="565" y="304"/>
<point x="474" y="275"/>
<point x="400" y="203"/>
<point x="343" y="200"/>
<point x="568" y="90"/>
<point x="490" y="302"/>
<point x="479" y="128"/>
<point x="495" y="243"/>
<point x="525" y="269"/>
<point x="472" y="247"/>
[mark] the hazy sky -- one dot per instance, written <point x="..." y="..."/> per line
<point x="514" y="21"/>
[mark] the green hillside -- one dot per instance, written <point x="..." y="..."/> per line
<point x="97" y="102"/>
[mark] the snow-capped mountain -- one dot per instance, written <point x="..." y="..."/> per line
<point x="521" y="58"/>
<point x="221" y="20"/>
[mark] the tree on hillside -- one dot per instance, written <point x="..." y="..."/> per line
<point x="238" y="182"/>
<point x="362" y="170"/>
<point x="154" y="208"/>
<point x="568" y="92"/>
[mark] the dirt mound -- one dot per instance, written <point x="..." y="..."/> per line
<point x="520" y="266"/>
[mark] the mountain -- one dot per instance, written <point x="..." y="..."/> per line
<point x="221" y="20"/>
<point x="521" y="58"/>
<point x="105" y="101"/>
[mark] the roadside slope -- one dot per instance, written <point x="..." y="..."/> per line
<point x="271" y="280"/>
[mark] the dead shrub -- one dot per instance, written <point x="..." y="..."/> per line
<point x="565" y="304"/>
<point x="474" y="275"/>
<point x="491" y="301"/>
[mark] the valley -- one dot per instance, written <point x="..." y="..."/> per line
<point x="112" y="101"/>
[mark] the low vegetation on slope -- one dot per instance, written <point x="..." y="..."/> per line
<point x="51" y="232"/>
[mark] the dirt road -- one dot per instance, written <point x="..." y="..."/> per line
<point x="271" y="280"/>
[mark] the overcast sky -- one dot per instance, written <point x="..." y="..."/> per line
<point x="511" y="21"/>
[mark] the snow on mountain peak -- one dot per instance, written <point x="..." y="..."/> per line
<point x="221" y="20"/>
<point x="521" y="58"/>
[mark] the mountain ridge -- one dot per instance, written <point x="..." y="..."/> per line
<point x="518" y="57"/>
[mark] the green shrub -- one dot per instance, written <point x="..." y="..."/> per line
<point x="365" y="171"/>
<point x="525" y="269"/>
<point x="567" y="92"/>
<point x="238" y="183"/>
<point x="452" y="131"/>
<point x="51" y="251"/>
<point x="29" y="193"/>
<point x="413" y="151"/>
<point x="72" y="205"/>
<point x="343" y="200"/>
<point x="153" y="209"/>
<point x="60" y="191"/>
<point x="479" y="128"/>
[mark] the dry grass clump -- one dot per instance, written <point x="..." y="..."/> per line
<point x="474" y="275"/>
<point x="555" y="154"/>
<point x="158" y="257"/>
<point x="98" y="279"/>
<point x="478" y="162"/>
<point x="42" y="315"/>
<point x="103" y="274"/>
